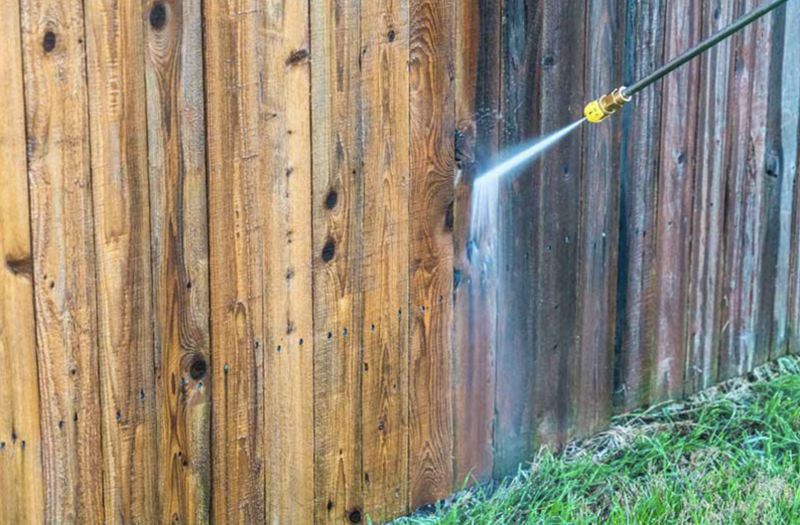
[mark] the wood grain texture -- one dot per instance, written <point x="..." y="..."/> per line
<point x="117" y="118"/>
<point x="477" y="93"/>
<point x="781" y="169"/>
<point x="708" y="213"/>
<point x="179" y="234"/>
<point x="233" y="46"/>
<point x="289" y="343"/>
<point x="514" y="425"/>
<point x="338" y="212"/>
<point x="63" y="250"/>
<point x="675" y="200"/>
<point x="598" y="239"/>
<point x="744" y="344"/>
<point x="432" y="74"/>
<point x="385" y="257"/>
<point x="557" y="217"/>
<point x="635" y="335"/>
<point x="22" y="487"/>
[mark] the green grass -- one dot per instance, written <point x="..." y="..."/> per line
<point x="728" y="456"/>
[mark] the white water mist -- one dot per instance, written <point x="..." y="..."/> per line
<point x="486" y="189"/>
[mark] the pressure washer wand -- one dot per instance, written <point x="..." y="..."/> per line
<point x="602" y="108"/>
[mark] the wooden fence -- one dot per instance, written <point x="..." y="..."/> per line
<point x="238" y="281"/>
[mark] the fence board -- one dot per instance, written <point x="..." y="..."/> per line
<point x="285" y="145"/>
<point x="598" y="238"/>
<point x="338" y="212"/>
<point x="635" y="336"/>
<point x="744" y="344"/>
<point x="520" y="107"/>
<point x="675" y="200"/>
<point x="432" y="110"/>
<point x="385" y="266"/>
<point x="234" y="55"/>
<point x="118" y="147"/>
<point x="781" y="170"/>
<point x="707" y="259"/>
<point x="63" y="250"/>
<point x="477" y="85"/>
<point x="179" y="234"/>
<point x="22" y="486"/>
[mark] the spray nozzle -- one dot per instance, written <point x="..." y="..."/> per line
<point x="607" y="105"/>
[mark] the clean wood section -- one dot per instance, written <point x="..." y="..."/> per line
<point x="675" y="199"/>
<point x="477" y="85"/>
<point x="742" y="343"/>
<point x="385" y="257"/>
<point x="285" y="148"/>
<point x="234" y="57"/>
<point x="179" y="236"/>
<point x="22" y="486"/>
<point x="708" y="210"/>
<point x="118" y="145"/>
<point x="598" y="240"/>
<point x="64" y="261"/>
<point x="338" y="215"/>
<point x="635" y="339"/>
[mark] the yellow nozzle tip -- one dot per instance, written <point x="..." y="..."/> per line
<point x="594" y="112"/>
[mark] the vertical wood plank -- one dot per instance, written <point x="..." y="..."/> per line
<point x="236" y="242"/>
<point x="634" y="339"/>
<point x="64" y="276"/>
<point x="557" y="217"/>
<point x="781" y="170"/>
<point x="708" y="212"/>
<point x="517" y="283"/>
<point x="675" y="199"/>
<point x="118" y="145"/>
<point x="743" y="344"/>
<point x="179" y="226"/>
<point x="791" y="57"/>
<point x="599" y="218"/>
<point x="477" y="92"/>
<point x="22" y="485"/>
<point x="286" y="156"/>
<point x="432" y="72"/>
<point x="385" y="266"/>
<point x="338" y="212"/>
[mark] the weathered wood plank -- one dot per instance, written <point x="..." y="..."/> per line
<point x="385" y="265"/>
<point x="744" y="345"/>
<point x="286" y="159"/>
<point x="63" y="248"/>
<point x="338" y="212"/>
<point x="781" y="168"/>
<point x="117" y="119"/>
<point x="477" y="85"/>
<point x="432" y="72"/>
<point x="599" y="218"/>
<point x="522" y="53"/>
<point x="675" y="199"/>
<point x="557" y="217"/>
<point x="791" y="59"/>
<point x="635" y="335"/>
<point x="708" y="212"/>
<point x="236" y="242"/>
<point x="22" y="485"/>
<point x="179" y="226"/>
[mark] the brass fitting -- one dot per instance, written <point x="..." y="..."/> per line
<point x="605" y="106"/>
